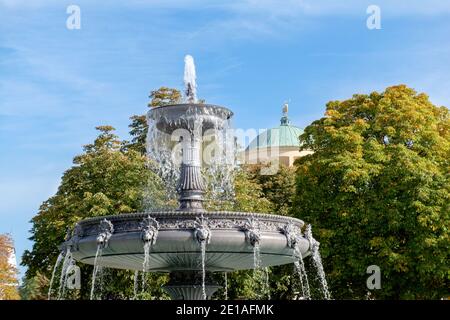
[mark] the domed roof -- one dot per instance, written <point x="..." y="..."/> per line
<point x="285" y="135"/>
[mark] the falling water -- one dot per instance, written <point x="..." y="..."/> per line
<point x="136" y="283"/>
<point x="97" y="269"/>
<point x="259" y="279"/>
<point x="162" y="152"/>
<point x="324" y="286"/>
<point x="220" y="168"/>
<point x="146" y="264"/>
<point x="57" y="263"/>
<point x="203" y="248"/>
<point x="202" y="234"/>
<point x="218" y="154"/>
<point x="106" y="229"/>
<point x="301" y="272"/>
<point x="267" y="286"/>
<point x="165" y="150"/>
<point x="70" y="262"/>
<point x="190" y="79"/>
<point x="226" y="285"/>
<point x="62" y="279"/>
<point x="303" y="278"/>
<point x="317" y="261"/>
<point x="256" y="257"/>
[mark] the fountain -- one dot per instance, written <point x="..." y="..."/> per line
<point x="189" y="243"/>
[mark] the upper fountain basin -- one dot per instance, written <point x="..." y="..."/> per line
<point x="189" y="116"/>
<point x="176" y="247"/>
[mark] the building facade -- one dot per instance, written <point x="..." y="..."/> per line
<point x="277" y="145"/>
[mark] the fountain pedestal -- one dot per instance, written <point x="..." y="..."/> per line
<point x="187" y="285"/>
<point x="191" y="186"/>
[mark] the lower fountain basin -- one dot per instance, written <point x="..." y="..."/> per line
<point x="176" y="247"/>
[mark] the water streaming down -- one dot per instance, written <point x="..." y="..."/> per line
<point x="63" y="276"/>
<point x="267" y="285"/>
<point x="317" y="261"/>
<point x="70" y="262"/>
<point x="190" y="80"/>
<point x="59" y="259"/>
<point x="218" y="151"/>
<point x="260" y="275"/>
<point x="303" y="278"/>
<point x="226" y="285"/>
<point x="149" y="234"/>
<point x="218" y="156"/>
<point x="202" y="234"/>
<point x="293" y="237"/>
<point x="97" y="270"/>
<point x="203" y="248"/>
<point x="106" y="230"/>
<point x="146" y="263"/>
<point x="136" y="284"/>
<point x="165" y="156"/>
<point x="220" y="163"/>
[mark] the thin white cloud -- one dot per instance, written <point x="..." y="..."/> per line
<point x="252" y="7"/>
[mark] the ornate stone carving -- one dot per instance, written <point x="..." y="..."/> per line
<point x="125" y="223"/>
<point x="313" y="243"/>
<point x="202" y="231"/>
<point x="150" y="229"/>
<point x="252" y="231"/>
<point x="292" y="235"/>
<point x="106" y="230"/>
<point x="76" y="235"/>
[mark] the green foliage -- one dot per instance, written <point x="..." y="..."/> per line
<point x="277" y="192"/>
<point x="249" y="196"/>
<point x="164" y="96"/>
<point x="138" y="130"/>
<point x="34" y="287"/>
<point x="106" y="179"/>
<point x="8" y="273"/>
<point x="139" y="127"/>
<point x="376" y="191"/>
<point x="278" y="188"/>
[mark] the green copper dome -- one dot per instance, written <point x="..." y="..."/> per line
<point x="285" y="135"/>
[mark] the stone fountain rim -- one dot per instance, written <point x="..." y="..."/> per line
<point x="176" y="214"/>
<point x="196" y="105"/>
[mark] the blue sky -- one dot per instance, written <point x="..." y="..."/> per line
<point x="57" y="84"/>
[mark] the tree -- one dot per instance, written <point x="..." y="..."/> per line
<point x="249" y="196"/>
<point x="34" y="288"/>
<point x="139" y="127"/>
<point x="376" y="190"/>
<point x="278" y="188"/>
<point x="138" y="131"/>
<point x="164" y="96"/>
<point x="106" y="179"/>
<point x="8" y="272"/>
